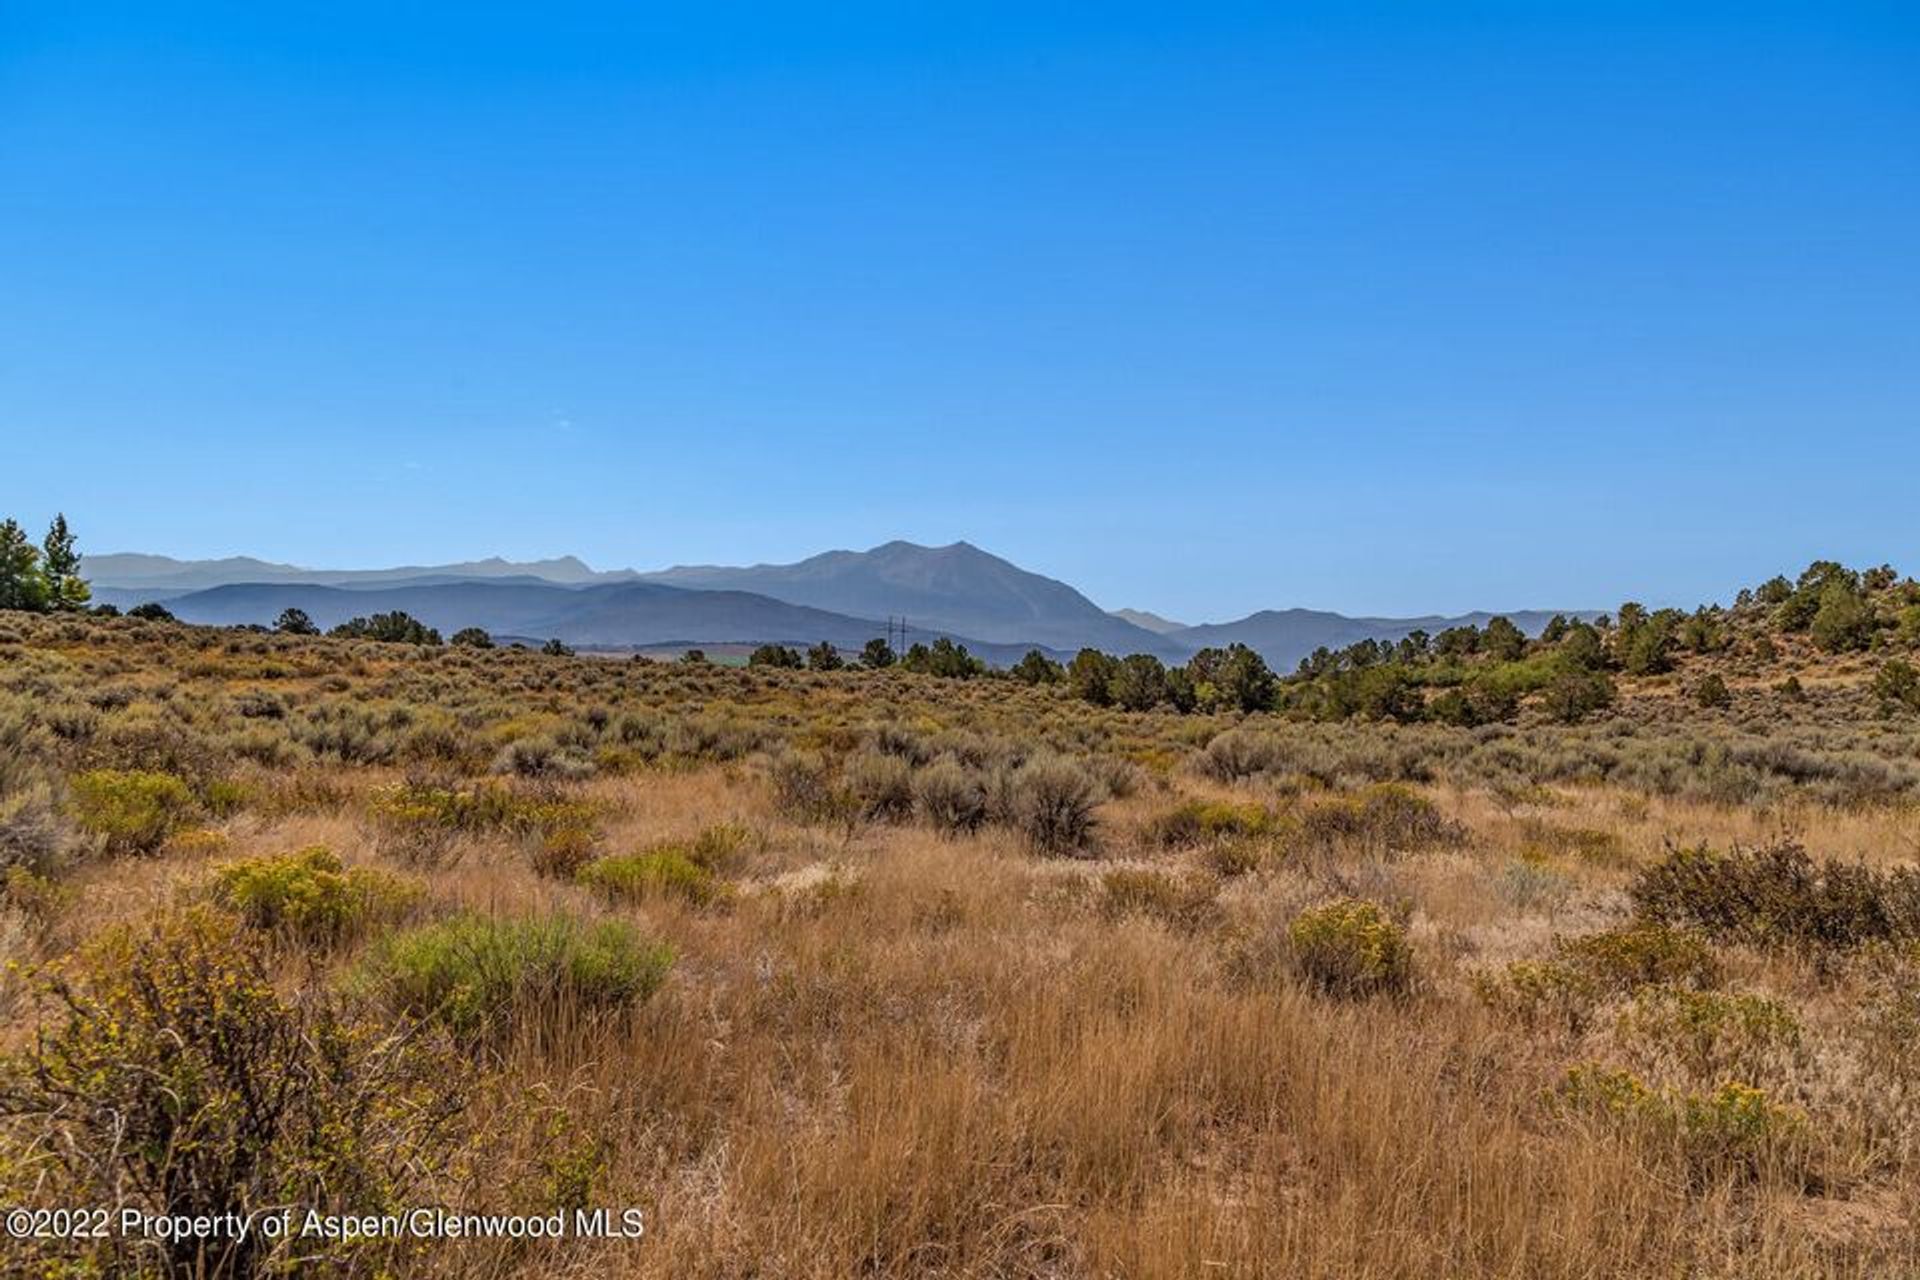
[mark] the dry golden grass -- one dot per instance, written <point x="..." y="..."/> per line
<point x="887" y="1051"/>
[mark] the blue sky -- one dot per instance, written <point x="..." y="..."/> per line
<point x="1380" y="308"/>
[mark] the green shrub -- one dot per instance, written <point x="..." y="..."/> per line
<point x="480" y="975"/>
<point x="1779" y="896"/>
<point x="665" y="872"/>
<point x="133" y="811"/>
<point x="1574" y="695"/>
<point x="309" y="896"/>
<point x="1351" y="948"/>
<point x="1897" y="686"/>
<point x="1643" y="954"/>
<point x="421" y="821"/>
<point x="1196" y="822"/>
<point x="1712" y="692"/>
<point x="174" y="1078"/>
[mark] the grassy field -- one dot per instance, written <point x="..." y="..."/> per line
<point x="871" y="973"/>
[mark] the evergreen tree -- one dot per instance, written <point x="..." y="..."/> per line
<point x="296" y="622"/>
<point x="22" y="584"/>
<point x="1037" y="668"/>
<point x="60" y="566"/>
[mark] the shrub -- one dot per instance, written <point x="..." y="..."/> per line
<point x="1712" y="1034"/>
<point x="309" y="896"/>
<point x="665" y="872"/>
<point x="1735" y="1130"/>
<point x="1382" y="819"/>
<point x="1897" y="686"/>
<point x="1197" y="822"/>
<point x="1540" y="993"/>
<point x="422" y="821"/>
<point x="1052" y="803"/>
<point x="882" y="785"/>
<point x="1779" y="896"/>
<point x="1575" y="695"/>
<point x="472" y="638"/>
<point x="562" y="851"/>
<point x="1642" y="955"/>
<point x="1712" y="692"/>
<point x="134" y="811"/>
<point x="1242" y="753"/>
<point x="1351" y="948"/>
<point x="175" y="1079"/>
<point x="33" y="835"/>
<point x="804" y="788"/>
<point x="544" y="757"/>
<point x="1584" y="971"/>
<point x="480" y="975"/>
<point x="949" y="796"/>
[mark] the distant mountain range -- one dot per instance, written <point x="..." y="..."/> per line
<point x="995" y="608"/>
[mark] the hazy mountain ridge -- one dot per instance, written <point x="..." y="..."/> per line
<point x="996" y="608"/>
<point x="956" y="588"/>
<point x="134" y="570"/>
<point x="607" y="616"/>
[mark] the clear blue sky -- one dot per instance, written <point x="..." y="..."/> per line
<point x="1203" y="308"/>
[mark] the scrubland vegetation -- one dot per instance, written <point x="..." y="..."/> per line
<point x="860" y="969"/>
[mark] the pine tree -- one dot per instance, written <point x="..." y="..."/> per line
<point x="60" y="568"/>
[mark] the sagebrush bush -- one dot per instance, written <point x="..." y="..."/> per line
<point x="1052" y="803"/>
<point x="309" y="896"/>
<point x="806" y="789"/>
<point x="480" y="975"/>
<point x="1236" y="754"/>
<point x="1380" y="820"/>
<point x="175" y="1079"/>
<point x="949" y="796"/>
<point x="1780" y="896"/>
<point x="882" y="785"/>
<point x="33" y="833"/>
<point x="1351" y="948"/>
<point x="132" y="811"/>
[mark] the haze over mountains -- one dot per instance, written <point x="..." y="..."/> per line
<point x="995" y="608"/>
